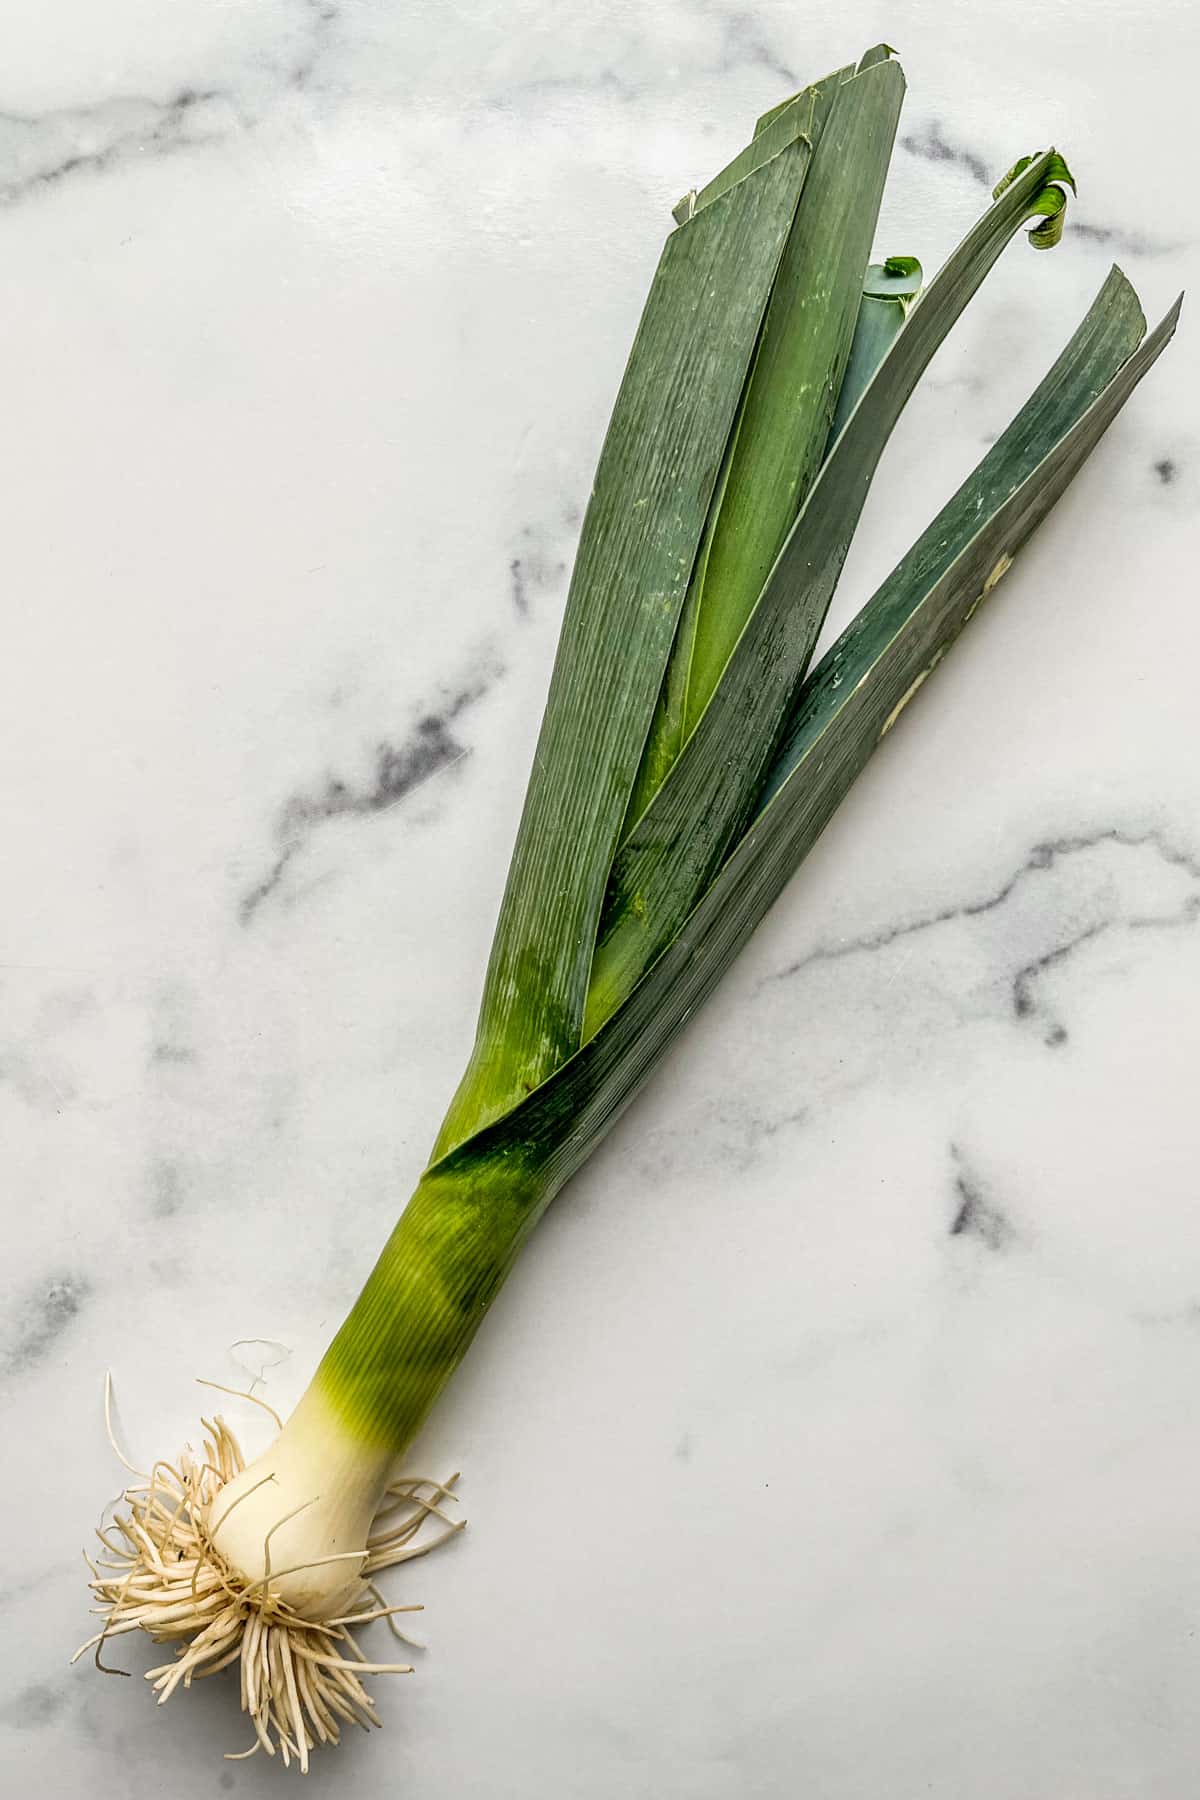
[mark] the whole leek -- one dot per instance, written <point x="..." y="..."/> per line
<point x="687" y="761"/>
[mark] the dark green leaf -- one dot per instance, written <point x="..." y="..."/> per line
<point x="783" y="423"/>
<point x="800" y="117"/>
<point x="651" y="495"/>
<point x="679" y="841"/>
<point x="849" y="706"/>
<point x="889" y="291"/>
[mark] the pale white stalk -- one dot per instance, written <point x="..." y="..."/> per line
<point x="268" y="1567"/>
<point x="298" y="1518"/>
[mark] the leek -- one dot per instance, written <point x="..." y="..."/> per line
<point x="687" y="761"/>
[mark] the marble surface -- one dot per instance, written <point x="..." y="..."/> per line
<point x="837" y="1434"/>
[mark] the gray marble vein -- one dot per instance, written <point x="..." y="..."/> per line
<point x="41" y="1318"/>
<point x="430" y="747"/>
<point x="1043" y="858"/>
<point x="931" y="144"/>
<point x="977" y="1215"/>
<point x="39" y="152"/>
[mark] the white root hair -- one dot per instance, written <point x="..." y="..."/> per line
<point x="158" y="1571"/>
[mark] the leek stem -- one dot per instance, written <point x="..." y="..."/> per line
<point x="428" y="1293"/>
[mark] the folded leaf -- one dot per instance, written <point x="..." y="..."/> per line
<point x="783" y="423"/>
<point x="661" y="455"/>
<point x="890" y="291"/>
<point x="849" y="705"/>
<point x="801" y="115"/>
<point x="677" y="844"/>
<point x="877" y="53"/>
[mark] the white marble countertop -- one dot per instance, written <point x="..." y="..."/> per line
<point x="837" y="1435"/>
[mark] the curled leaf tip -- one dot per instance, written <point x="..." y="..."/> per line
<point x="895" y="278"/>
<point x="1050" y="201"/>
<point x="1058" y="171"/>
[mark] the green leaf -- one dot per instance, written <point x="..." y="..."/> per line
<point x="661" y="455"/>
<point x="783" y="423"/>
<point x="896" y="276"/>
<point x="849" y="705"/>
<point x="1051" y="203"/>
<point x="677" y="844"/>
<point x="889" y="291"/>
<point x="819" y="88"/>
<point x="1106" y="339"/>
<point x="800" y="117"/>
<point x="877" y="53"/>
